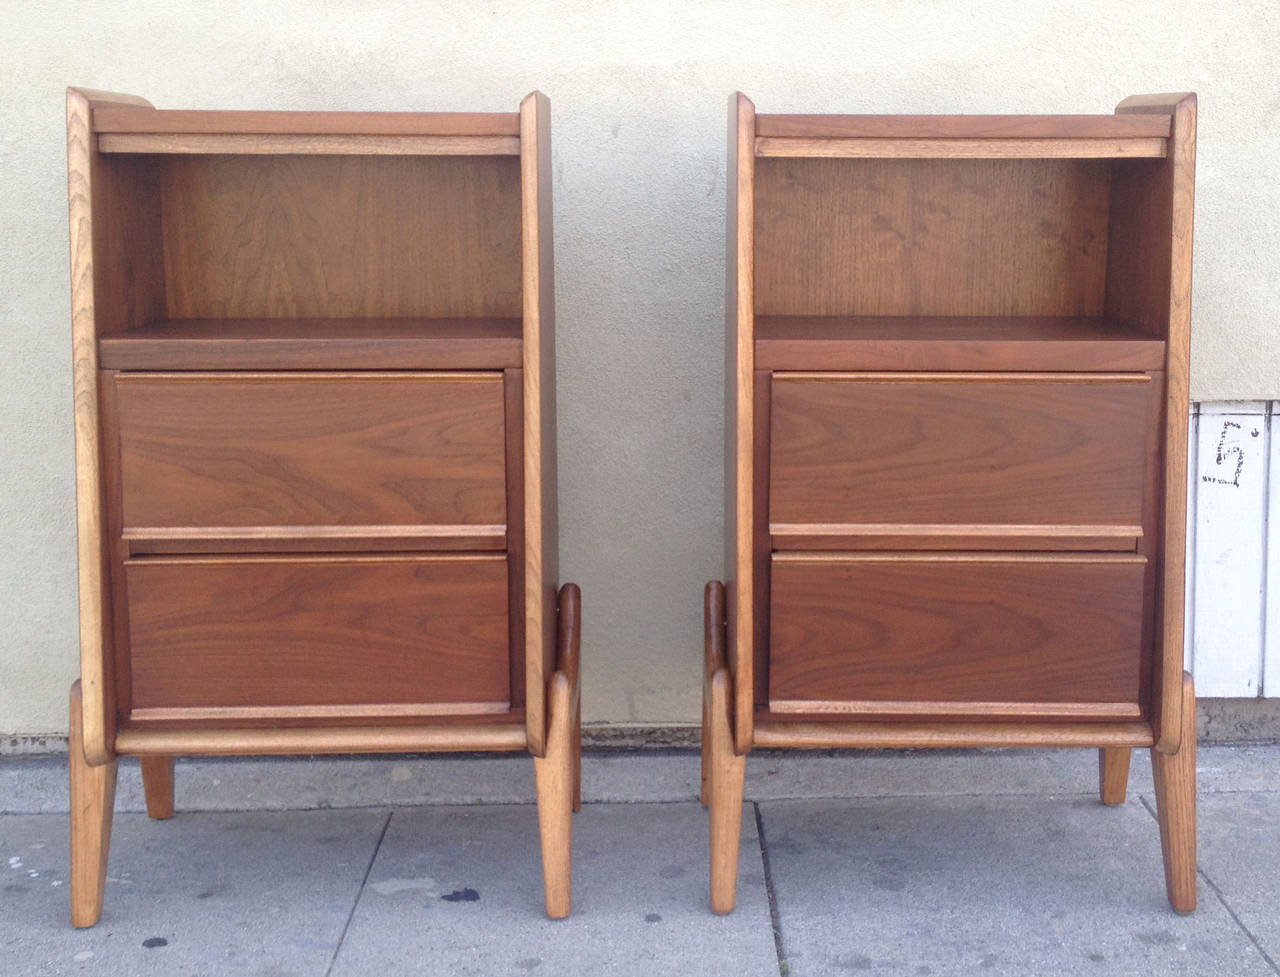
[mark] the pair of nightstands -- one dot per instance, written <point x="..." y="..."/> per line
<point x="956" y="442"/>
<point x="315" y="432"/>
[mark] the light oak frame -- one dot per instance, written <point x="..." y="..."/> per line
<point x="109" y="299"/>
<point x="1148" y="297"/>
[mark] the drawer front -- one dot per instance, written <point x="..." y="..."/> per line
<point x="319" y="455"/>
<point x="868" y="461"/>
<point x="244" y="638"/>
<point x="1037" y="635"/>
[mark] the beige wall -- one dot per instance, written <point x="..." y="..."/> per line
<point x="638" y="93"/>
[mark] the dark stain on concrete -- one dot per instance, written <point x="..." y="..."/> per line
<point x="462" y="895"/>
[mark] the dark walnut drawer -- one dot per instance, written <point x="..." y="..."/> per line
<point x="270" y="638"/>
<point x="958" y="635"/>
<point x="959" y="460"/>
<point x="240" y="461"/>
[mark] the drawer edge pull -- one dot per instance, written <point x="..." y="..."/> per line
<point x="873" y="707"/>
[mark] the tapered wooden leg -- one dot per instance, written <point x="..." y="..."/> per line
<point x="727" y="770"/>
<point x="157" y="784"/>
<point x="1113" y="774"/>
<point x="93" y="795"/>
<point x="1175" y="782"/>
<point x="554" y="772"/>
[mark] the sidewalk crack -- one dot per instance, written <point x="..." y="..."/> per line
<point x="368" y="869"/>
<point x="774" y="919"/>
<point x="1222" y="899"/>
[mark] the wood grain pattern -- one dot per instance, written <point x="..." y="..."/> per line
<point x="959" y="450"/>
<point x="541" y="514"/>
<point x="1025" y="148"/>
<point x="253" y="451"/>
<point x="942" y="343"/>
<point x="930" y="237"/>
<point x="93" y="792"/>
<point x="1113" y="774"/>
<point x="341" y="236"/>
<point x="742" y="590"/>
<point x="112" y="286"/>
<point x="157" y="785"/>
<point x="315" y="344"/>
<point x="1175" y="786"/>
<point x="962" y="629"/>
<point x="209" y="144"/>
<point x="1151" y="269"/>
<point x="274" y="631"/>
<point x="143" y="118"/>
<point x="772" y="734"/>
<point x="960" y="127"/>
<point x="315" y="739"/>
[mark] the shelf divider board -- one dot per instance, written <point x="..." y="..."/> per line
<point x="145" y="119"/>
<point x="480" y="343"/>
<point x="964" y="148"/>
<point x="272" y="144"/>
<point x="962" y="126"/>
<point x="1048" y="343"/>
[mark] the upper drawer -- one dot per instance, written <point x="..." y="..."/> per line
<point x="311" y="460"/>
<point x="959" y="460"/>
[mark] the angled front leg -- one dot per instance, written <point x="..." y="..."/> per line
<point x="93" y="795"/>
<point x="558" y="770"/>
<point x="723" y="770"/>
<point x="1175" y="782"/>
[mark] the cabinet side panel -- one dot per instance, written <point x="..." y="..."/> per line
<point x="1164" y="290"/>
<point x="541" y="516"/>
<point x="740" y="591"/>
<point x="114" y="283"/>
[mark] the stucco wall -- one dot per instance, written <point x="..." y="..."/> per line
<point x="638" y="103"/>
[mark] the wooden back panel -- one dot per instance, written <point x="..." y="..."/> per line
<point x="930" y="237"/>
<point x="341" y="236"/>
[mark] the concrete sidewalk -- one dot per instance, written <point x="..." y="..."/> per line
<point x="926" y="863"/>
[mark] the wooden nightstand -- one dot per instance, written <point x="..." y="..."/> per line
<point x="315" y="448"/>
<point x="957" y="352"/>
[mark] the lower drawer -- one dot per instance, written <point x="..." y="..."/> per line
<point x="289" y="638"/>
<point x="967" y="635"/>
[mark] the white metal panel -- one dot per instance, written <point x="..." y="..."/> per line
<point x="1230" y="541"/>
<point x="1271" y="567"/>
<point x="1189" y="588"/>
